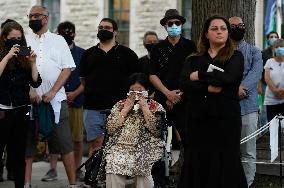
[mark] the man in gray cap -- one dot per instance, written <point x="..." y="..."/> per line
<point x="166" y="62"/>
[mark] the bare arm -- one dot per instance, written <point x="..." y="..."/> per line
<point x="73" y="94"/>
<point x="155" y="80"/>
<point x="3" y="64"/>
<point x="32" y="60"/>
<point x="278" y="92"/>
<point x="83" y="82"/>
<point x="171" y="95"/>
<point x="5" y="60"/>
<point x="62" y="78"/>
<point x="268" y="81"/>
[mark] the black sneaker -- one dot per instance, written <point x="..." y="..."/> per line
<point x="51" y="175"/>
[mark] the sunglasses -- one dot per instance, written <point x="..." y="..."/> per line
<point x="177" y="23"/>
<point x="67" y="32"/>
<point x="240" y="25"/>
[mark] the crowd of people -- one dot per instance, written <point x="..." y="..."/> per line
<point x="208" y="93"/>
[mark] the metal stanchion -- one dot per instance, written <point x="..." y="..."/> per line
<point x="280" y="117"/>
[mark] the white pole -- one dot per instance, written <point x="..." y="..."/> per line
<point x="278" y="17"/>
<point x="259" y="14"/>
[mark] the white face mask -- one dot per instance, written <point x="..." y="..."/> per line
<point x="137" y="93"/>
<point x="143" y="93"/>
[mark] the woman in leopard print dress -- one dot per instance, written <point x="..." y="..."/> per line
<point x="136" y="123"/>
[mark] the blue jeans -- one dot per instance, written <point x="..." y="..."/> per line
<point x="94" y="122"/>
<point x="263" y="113"/>
<point x="248" y="149"/>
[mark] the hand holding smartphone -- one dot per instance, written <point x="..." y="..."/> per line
<point x="24" y="51"/>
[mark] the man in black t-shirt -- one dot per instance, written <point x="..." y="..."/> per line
<point x="104" y="71"/>
<point x="166" y="62"/>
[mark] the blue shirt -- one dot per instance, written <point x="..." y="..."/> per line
<point x="253" y="67"/>
<point x="74" y="80"/>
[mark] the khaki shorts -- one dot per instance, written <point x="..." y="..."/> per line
<point x="76" y="123"/>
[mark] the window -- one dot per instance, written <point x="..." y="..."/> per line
<point x="54" y="13"/>
<point x="119" y="11"/>
<point x="187" y="13"/>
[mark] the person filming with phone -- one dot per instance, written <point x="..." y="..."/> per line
<point x="18" y="72"/>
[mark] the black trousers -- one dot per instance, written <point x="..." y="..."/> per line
<point x="8" y="163"/>
<point x="273" y="110"/>
<point x="13" y="131"/>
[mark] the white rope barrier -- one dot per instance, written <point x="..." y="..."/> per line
<point x="262" y="162"/>
<point x="257" y="132"/>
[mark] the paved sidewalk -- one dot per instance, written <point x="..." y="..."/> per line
<point x="39" y="170"/>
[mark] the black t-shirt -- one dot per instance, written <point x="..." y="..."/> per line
<point x="166" y="61"/>
<point x="266" y="54"/>
<point x="106" y="75"/>
<point x="144" y="63"/>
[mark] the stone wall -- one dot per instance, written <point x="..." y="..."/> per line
<point x="16" y="10"/>
<point x="145" y="16"/>
<point x="85" y="14"/>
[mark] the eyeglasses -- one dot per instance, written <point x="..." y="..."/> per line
<point x="35" y="15"/>
<point x="177" y="23"/>
<point x="240" y="25"/>
<point x="106" y="27"/>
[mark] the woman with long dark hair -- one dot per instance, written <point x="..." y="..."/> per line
<point x="17" y="74"/>
<point x="210" y="80"/>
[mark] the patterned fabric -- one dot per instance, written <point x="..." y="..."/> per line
<point x="138" y="145"/>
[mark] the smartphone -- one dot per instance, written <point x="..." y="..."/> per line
<point x="24" y="51"/>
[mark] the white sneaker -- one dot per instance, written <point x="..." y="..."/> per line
<point x="27" y="186"/>
<point x="73" y="186"/>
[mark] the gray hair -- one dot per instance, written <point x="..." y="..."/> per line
<point x="45" y="10"/>
<point x="149" y="33"/>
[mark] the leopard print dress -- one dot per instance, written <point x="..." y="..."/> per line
<point x="139" y="144"/>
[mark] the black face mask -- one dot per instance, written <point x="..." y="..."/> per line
<point x="69" y="39"/>
<point x="149" y="46"/>
<point x="104" y="35"/>
<point x="237" y="34"/>
<point x="35" y="25"/>
<point x="11" y="42"/>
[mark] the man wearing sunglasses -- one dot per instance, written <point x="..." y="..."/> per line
<point x="166" y="62"/>
<point x="247" y="93"/>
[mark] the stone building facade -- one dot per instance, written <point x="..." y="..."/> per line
<point x="143" y="15"/>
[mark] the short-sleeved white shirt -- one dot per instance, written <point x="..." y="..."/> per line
<point x="277" y="78"/>
<point x="53" y="55"/>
